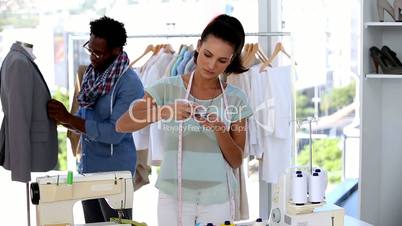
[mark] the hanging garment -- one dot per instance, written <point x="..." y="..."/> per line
<point x="242" y="81"/>
<point x="29" y="137"/>
<point x="154" y="71"/>
<point x="182" y="65"/>
<point x="142" y="170"/>
<point x="74" y="137"/>
<point x="259" y="84"/>
<point x="277" y="155"/>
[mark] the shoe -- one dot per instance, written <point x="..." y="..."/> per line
<point x="386" y="51"/>
<point x="381" y="61"/>
<point x="383" y="5"/>
<point x="397" y="10"/>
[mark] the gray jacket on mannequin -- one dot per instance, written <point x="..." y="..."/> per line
<point x="28" y="138"/>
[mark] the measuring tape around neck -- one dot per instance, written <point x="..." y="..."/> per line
<point x="180" y="161"/>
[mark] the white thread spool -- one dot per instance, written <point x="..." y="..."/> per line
<point x="315" y="188"/>
<point x="299" y="188"/>
<point x="323" y="179"/>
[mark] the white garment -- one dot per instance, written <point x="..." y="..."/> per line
<point x="259" y="83"/>
<point x="140" y="137"/>
<point x="153" y="70"/>
<point x="170" y="65"/>
<point x="156" y="72"/>
<point x="277" y="155"/>
<point x="192" y="213"/>
<point x="242" y="81"/>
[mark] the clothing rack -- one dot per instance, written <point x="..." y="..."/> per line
<point x="199" y="35"/>
<point x="265" y="36"/>
<point x="83" y="36"/>
<point x="77" y="36"/>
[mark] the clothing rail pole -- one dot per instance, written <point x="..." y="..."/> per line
<point x="81" y="35"/>
<point x="199" y="35"/>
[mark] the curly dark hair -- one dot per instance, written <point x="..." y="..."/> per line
<point x="111" y="30"/>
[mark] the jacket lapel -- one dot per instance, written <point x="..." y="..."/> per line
<point x="18" y="48"/>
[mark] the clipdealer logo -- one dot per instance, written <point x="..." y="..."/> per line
<point x="211" y="114"/>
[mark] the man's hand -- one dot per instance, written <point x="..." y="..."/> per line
<point x="58" y="112"/>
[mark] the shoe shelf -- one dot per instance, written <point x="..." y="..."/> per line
<point x="382" y="24"/>
<point x="399" y="76"/>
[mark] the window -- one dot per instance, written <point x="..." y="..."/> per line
<point x="325" y="41"/>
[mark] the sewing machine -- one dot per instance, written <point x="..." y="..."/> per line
<point x="285" y="213"/>
<point x="55" y="196"/>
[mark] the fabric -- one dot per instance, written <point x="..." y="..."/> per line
<point x="98" y="210"/>
<point x="96" y="84"/>
<point x="173" y="70"/>
<point x="182" y="64"/>
<point x="29" y="137"/>
<point x="259" y="82"/>
<point x="170" y="65"/>
<point x="74" y="137"/>
<point x="241" y="199"/>
<point x="193" y="213"/>
<point x="242" y="81"/>
<point x="204" y="170"/>
<point x="142" y="169"/>
<point x="190" y="66"/>
<point x="277" y="155"/>
<point x="104" y="149"/>
<point x="154" y="71"/>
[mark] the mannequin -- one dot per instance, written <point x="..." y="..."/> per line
<point x="28" y="47"/>
<point x="28" y="138"/>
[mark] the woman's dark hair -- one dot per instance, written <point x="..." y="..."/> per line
<point x="109" y="29"/>
<point x="230" y="30"/>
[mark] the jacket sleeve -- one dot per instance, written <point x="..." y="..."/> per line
<point x="20" y="88"/>
<point x="126" y="91"/>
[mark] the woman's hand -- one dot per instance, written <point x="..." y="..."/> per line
<point x="212" y="122"/>
<point x="180" y="110"/>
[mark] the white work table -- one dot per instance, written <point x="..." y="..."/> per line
<point x="348" y="221"/>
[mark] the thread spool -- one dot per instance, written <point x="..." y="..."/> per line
<point x="315" y="189"/>
<point x="227" y="223"/>
<point x="258" y="222"/>
<point x="323" y="180"/>
<point x="70" y="178"/>
<point x="299" y="188"/>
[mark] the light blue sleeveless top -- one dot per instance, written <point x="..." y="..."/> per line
<point x="205" y="178"/>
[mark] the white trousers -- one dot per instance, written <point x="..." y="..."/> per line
<point x="193" y="213"/>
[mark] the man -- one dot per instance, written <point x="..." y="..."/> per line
<point x="108" y="88"/>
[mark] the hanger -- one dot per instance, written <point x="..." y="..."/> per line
<point x="245" y="52"/>
<point x="278" y="48"/>
<point x="251" y="53"/>
<point x="261" y="54"/>
<point x="158" y="47"/>
<point x="248" y="56"/>
<point x="168" y="49"/>
<point x="149" y="48"/>
<point x="190" y="48"/>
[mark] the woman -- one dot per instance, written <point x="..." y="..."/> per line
<point x="107" y="90"/>
<point x="204" y="129"/>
